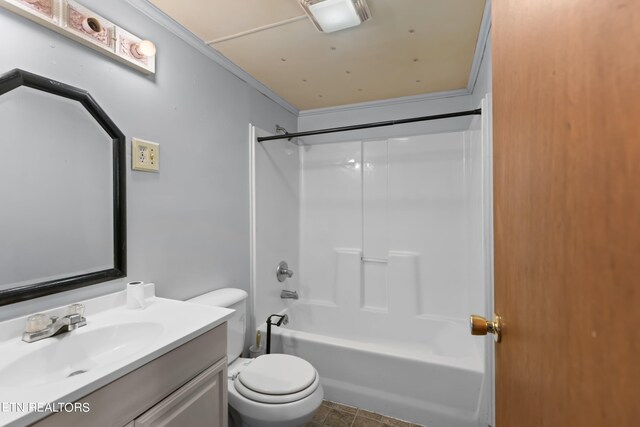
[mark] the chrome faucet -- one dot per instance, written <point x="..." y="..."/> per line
<point x="39" y="327"/>
<point x="286" y="294"/>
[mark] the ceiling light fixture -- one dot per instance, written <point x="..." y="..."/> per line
<point x="334" y="15"/>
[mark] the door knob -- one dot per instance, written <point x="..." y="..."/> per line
<point x="481" y="326"/>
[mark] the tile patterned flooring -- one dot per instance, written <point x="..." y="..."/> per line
<point x="332" y="414"/>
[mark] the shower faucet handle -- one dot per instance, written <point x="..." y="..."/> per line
<point x="282" y="272"/>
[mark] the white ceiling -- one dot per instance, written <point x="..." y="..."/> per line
<point x="409" y="47"/>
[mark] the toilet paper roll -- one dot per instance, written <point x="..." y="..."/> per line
<point x="135" y="295"/>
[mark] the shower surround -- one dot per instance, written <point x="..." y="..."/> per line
<point x="391" y="251"/>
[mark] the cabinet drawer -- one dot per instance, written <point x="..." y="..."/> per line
<point x="202" y="402"/>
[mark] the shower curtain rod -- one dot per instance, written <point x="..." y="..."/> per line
<point x="289" y="136"/>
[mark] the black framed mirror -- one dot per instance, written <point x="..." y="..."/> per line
<point x="62" y="189"/>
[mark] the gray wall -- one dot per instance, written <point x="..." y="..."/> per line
<point x="188" y="226"/>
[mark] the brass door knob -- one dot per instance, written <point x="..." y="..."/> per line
<point x="481" y="326"/>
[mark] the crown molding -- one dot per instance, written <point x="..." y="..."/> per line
<point x="481" y="43"/>
<point x="174" y="27"/>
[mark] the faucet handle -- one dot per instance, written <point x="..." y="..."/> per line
<point x="37" y="322"/>
<point x="76" y="309"/>
<point x="283" y="272"/>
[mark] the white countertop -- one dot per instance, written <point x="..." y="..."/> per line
<point x="174" y="323"/>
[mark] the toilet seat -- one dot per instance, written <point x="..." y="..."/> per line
<point x="277" y="379"/>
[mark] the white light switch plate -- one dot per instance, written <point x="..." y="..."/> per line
<point x="145" y="155"/>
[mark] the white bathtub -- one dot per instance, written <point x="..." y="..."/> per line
<point x="430" y="373"/>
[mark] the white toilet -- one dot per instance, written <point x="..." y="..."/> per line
<point x="272" y="390"/>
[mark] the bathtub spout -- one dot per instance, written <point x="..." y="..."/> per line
<point x="285" y="294"/>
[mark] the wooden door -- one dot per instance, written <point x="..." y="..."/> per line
<point x="566" y="91"/>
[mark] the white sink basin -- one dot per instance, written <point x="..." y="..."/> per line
<point x="67" y="355"/>
<point x="115" y="341"/>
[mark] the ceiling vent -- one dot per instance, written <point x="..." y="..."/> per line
<point x="335" y="15"/>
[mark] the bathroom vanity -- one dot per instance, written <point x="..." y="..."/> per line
<point x="177" y="389"/>
<point x="164" y="365"/>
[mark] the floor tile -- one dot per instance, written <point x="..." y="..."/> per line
<point x="321" y="413"/>
<point x="338" y="419"/>
<point x="345" y="408"/>
<point x="341" y="415"/>
<point x="394" y="422"/>
<point x="366" y="422"/>
<point x="368" y="414"/>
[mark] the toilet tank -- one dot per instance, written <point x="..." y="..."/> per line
<point x="235" y="299"/>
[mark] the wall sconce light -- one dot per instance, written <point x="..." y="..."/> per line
<point x="92" y="25"/>
<point x="84" y="26"/>
<point x="143" y="49"/>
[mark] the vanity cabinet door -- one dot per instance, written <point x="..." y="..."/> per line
<point x="202" y="402"/>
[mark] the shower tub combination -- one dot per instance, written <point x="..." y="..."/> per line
<point x="390" y="259"/>
<point x="431" y="373"/>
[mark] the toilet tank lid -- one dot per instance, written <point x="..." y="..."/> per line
<point x="224" y="297"/>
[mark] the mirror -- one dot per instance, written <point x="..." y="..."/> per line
<point x="62" y="187"/>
